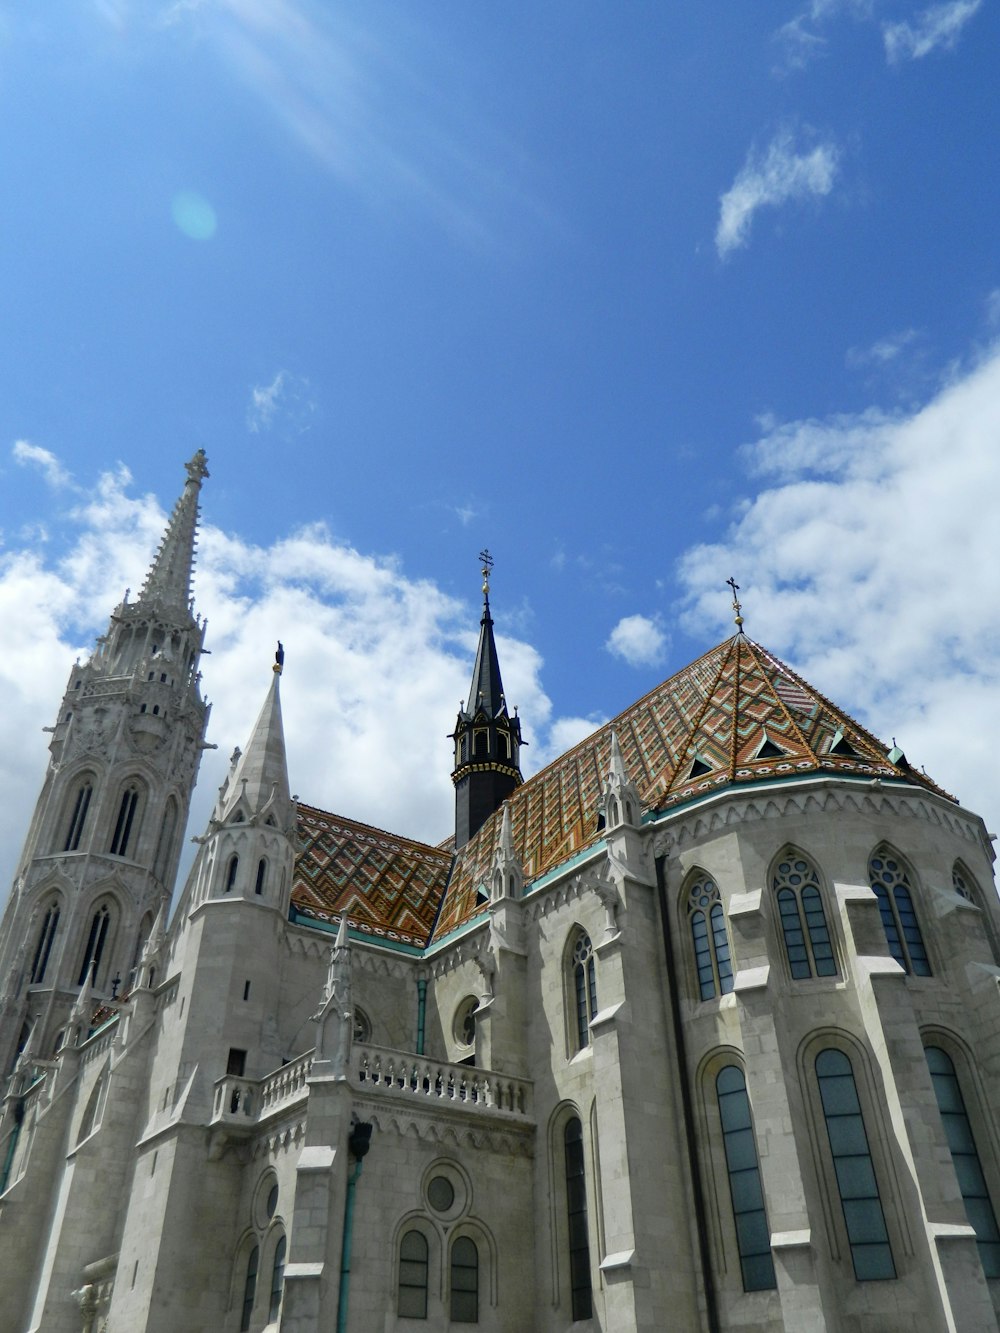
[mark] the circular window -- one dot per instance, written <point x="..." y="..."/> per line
<point x="440" y="1194"/>
<point x="265" y="1200"/>
<point x="447" y="1190"/>
<point x="272" y="1201"/>
<point x="465" y="1022"/>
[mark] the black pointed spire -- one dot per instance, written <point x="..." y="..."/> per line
<point x="487" y="739"/>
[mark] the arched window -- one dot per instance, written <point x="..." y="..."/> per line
<point x="708" y="935"/>
<point x="96" y="940"/>
<point x="277" y="1279"/>
<point x="961" y="882"/>
<point x="853" y="1168"/>
<point x="43" y="948"/>
<point x="965" y="1158"/>
<point x="78" y="815"/>
<point x="584" y="987"/>
<point x="231" y="869"/>
<point x="576" y="1206"/>
<point x="411" y="1301"/>
<point x="125" y="823"/>
<point x="362" y="1029"/>
<point x="899" y="917"/>
<point x="464" y="1281"/>
<point x="249" y="1289"/>
<point x="803" y="920"/>
<point x="161" y="862"/>
<point x="753" y="1236"/>
<point x="258" y="887"/>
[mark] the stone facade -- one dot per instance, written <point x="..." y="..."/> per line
<point x="728" y="1059"/>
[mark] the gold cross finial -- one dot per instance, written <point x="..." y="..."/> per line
<point x="736" y="604"/>
<point x="487" y="562"/>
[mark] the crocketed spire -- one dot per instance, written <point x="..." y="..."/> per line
<point x="169" y="579"/>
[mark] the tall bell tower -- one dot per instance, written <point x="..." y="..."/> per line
<point x="105" y="838"/>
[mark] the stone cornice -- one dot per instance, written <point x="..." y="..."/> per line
<point x="432" y="1127"/>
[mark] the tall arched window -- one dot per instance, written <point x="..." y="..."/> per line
<point x="965" y="1158"/>
<point x="125" y="822"/>
<point x="231" y="870"/>
<point x="899" y="917"/>
<point x="78" y="815"/>
<point x="803" y="920"/>
<point x="97" y="938"/>
<point x="962" y="881"/>
<point x="411" y="1301"/>
<point x="43" y="948"/>
<point x="584" y="987"/>
<point x="277" y="1279"/>
<point x="161" y="862"/>
<point x="576" y="1206"/>
<point x="464" y="1305"/>
<point x="853" y="1168"/>
<point x="258" y="887"/>
<point x="709" y="938"/>
<point x="249" y="1289"/>
<point x="753" y="1236"/>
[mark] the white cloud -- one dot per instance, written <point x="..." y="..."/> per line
<point x="285" y="404"/>
<point x="637" y="640"/>
<point x="779" y="175"/>
<point x="366" y="645"/>
<point x="938" y="26"/>
<point x="869" y="559"/>
<point x="33" y="455"/>
<point x="993" y="307"/>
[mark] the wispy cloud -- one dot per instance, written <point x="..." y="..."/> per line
<point x="937" y="27"/>
<point x="781" y="174"/>
<point x="869" y="558"/>
<point x="883" y="350"/>
<point x="802" y="38"/>
<point x="638" y="640"/>
<point x="285" y="402"/>
<point x="33" y="455"/>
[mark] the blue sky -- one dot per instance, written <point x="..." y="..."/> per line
<point x="639" y="296"/>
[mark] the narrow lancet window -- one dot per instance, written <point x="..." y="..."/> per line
<point x="899" y="916"/>
<point x="44" y="947"/>
<point x="709" y="938"/>
<point x="576" y="1204"/>
<point x="249" y="1289"/>
<point x="803" y="920"/>
<point x="753" y="1236"/>
<point x="125" y="821"/>
<point x="411" y="1302"/>
<point x="965" y="1159"/>
<point x="852" y="1164"/>
<point x="78" y="818"/>
<point x="96" y="941"/>
<point x="464" y="1281"/>
<point x="584" y="988"/>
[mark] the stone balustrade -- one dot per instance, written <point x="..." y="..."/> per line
<point x="376" y="1069"/>
<point x="414" y="1076"/>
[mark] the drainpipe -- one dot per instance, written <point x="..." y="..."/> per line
<point x="421" y="1013"/>
<point x="15" y="1134"/>
<point x="359" y="1142"/>
<point x="694" y="1163"/>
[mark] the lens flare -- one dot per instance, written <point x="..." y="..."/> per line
<point x="194" y="215"/>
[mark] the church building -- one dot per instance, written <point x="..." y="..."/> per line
<point x="696" y="1029"/>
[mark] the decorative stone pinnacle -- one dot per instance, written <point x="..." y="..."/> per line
<point x="197" y="467"/>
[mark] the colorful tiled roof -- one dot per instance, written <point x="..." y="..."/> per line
<point x="390" y="886"/>
<point x="737" y="715"/>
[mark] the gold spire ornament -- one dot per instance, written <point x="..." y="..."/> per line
<point x="738" y="619"/>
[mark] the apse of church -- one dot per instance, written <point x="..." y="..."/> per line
<point x="698" y="1027"/>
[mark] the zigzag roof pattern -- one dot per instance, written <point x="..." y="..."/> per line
<point x="389" y="886"/>
<point x="736" y="715"/>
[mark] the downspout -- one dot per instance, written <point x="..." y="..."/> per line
<point x="15" y="1134"/>
<point x="345" y="1249"/>
<point x="358" y="1143"/>
<point x="421" y="1013"/>
<point x="694" y="1164"/>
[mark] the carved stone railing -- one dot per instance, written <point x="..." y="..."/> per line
<point x="285" y="1083"/>
<point x="375" y="1069"/>
<point x="437" y="1083"/>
